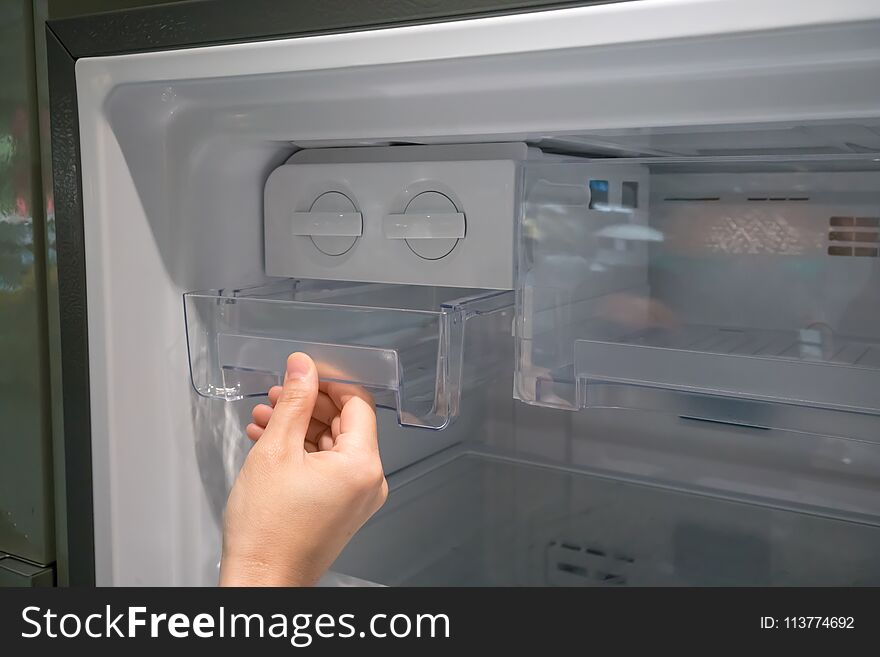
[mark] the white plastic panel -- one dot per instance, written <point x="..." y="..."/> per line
<point x="423" y="222"/>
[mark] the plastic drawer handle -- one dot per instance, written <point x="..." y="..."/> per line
<point x="424" y="226"/>
<point x="328" y="224"/>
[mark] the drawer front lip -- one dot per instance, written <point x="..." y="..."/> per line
<point x="747" y="377"/>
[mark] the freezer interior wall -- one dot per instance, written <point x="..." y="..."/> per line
<point x="182" y="168"/>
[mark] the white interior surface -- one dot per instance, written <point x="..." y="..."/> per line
<point x="177" y="146"/>
<point x="476" y="520"/>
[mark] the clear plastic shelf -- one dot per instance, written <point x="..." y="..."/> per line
<point x="744" y="278"/>
<point x="416" y="348"/>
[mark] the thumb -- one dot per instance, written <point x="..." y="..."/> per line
<point x="357" y="427"/>
<point x="293" y="411"/>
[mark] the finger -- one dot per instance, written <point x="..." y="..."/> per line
<point x="325" y="442"/>
<point x="325" y="409"/>
<point x="253" y="431"/>
<point x="293" y="412"/>
<point x="342" y="392"/>
<point x="261" y="414"/>
<point x="317" y="437"/>
<point x="357" y="427"/>
<point x="315" y="431"/>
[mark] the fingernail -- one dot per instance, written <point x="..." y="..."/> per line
<point x="298" y="366"/>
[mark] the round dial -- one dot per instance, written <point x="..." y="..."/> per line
<point x="333" y="202"/>
<point x="426" y="203"/>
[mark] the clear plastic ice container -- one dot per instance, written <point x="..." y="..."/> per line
<point x="415" y="348"/>
<point x="743" y="284"/>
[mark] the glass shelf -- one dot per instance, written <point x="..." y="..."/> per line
<point x="415" y="348"/>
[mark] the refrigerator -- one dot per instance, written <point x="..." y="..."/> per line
<point x="609" y="269"/>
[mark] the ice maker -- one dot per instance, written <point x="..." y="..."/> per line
<point x="611" y="272"/>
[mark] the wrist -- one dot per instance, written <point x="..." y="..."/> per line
<point x="246" y="571"/>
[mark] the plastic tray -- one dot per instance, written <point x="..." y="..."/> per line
<point x="746" y="278"/>
<point x="416" y="348"/>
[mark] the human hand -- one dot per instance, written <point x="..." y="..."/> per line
<point x="636" y="312"/>
<point x="312" y="479"/>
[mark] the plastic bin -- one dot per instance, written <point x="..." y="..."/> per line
<point x="416" y="348"/>
<point x="744" y="279"/>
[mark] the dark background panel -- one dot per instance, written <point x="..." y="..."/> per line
<point x="70" y="249"/>
<point x="26" y="494"/>
<point x="199" y="22"/>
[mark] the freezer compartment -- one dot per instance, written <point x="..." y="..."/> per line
<point x="481" y="520"/>
<point x="415" y="348"/>
<point x="754" y="280"/>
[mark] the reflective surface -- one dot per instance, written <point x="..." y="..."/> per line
<point x="482" y="521"/>
<point x="26" y="517"/>
<point x="44" y="10"/>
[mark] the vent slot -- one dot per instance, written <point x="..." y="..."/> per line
<point x="852" y="236"/>
<point x="857" y="233"/>
<point x="692" y="199"/>
<point x="855" y="222"/>
<point x="776" y="199"/>
<point x="574" y="570"/>
<point x="859" y="251"/>
<point x="572" y="564"/>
